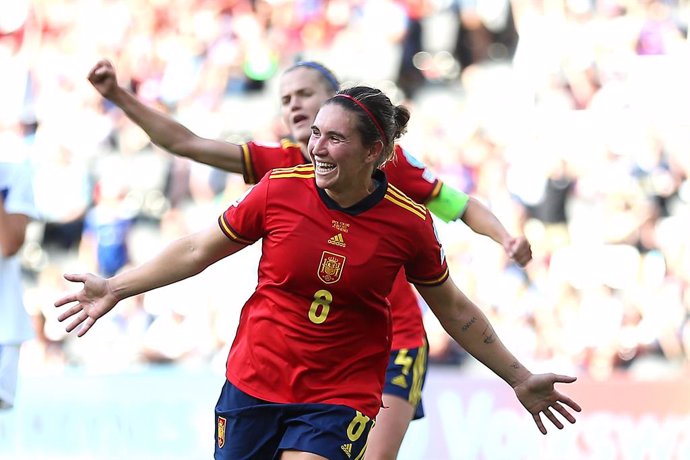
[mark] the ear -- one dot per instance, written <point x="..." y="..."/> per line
<point x="374" y="152"/>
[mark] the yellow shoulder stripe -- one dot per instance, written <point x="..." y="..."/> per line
<point x="399" y="193"/>
<point x="305" y="171"/>
<point x="287" y="143"/>
<point x="394" y="195"/>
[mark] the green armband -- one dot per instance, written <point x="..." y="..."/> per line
<point x="449" y="204"/>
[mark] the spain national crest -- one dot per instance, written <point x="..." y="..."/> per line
<point x="222" y="422"/>
<point x="331" y="267"/>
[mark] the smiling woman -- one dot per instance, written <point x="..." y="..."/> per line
<point x="348" y="143"/>
<point x="306" y="371"/>
<point x="304" y="87"/>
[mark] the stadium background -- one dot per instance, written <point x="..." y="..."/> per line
<point x="577" y="134"/>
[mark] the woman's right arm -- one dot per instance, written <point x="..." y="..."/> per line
<point x="162" y="129"/>
<point x="181" y="259"/>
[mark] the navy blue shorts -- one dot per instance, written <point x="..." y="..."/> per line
<point x="248" y="428"/>
<point x="406" y="374"/>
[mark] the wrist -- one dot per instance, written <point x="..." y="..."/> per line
<point x="116" y="95"/>
<point x="113" y="290"/>
<point x="520" y="376"/>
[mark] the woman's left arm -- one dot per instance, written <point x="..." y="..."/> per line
<point x="471" y="329"/>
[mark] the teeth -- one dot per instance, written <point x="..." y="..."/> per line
<point x="325" y="166"/>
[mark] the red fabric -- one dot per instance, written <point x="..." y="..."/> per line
<point x="407" y="174"/>
<point x="314" y="255"/>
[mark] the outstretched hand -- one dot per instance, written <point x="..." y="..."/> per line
<point x="538" y="395"/>
<point x="93" y="301"/>
<point x="102" y="77"/>
<point x="519" y="250"/>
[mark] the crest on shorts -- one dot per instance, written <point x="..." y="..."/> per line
<point x="331" y="267"/>
<point x="222" y="422"/>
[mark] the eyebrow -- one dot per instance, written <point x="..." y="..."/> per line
<point x="303" y="90"/>
<point x="331" y="132"/>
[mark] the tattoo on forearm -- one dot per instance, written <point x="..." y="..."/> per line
<point x="469" y="324"/>
<point x="489" y="335"/>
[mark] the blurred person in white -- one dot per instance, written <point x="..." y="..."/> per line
<point x="16" y="211"/>
<point x="62" y="192"/>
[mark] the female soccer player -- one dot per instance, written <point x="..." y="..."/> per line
<point x="306" y="370"/>
<point x="304" y="87"/>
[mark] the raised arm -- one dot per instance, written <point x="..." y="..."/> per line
<point x="451" y="204"/>
<point x="162" y="129"/>
<point x="471" y="329"/>
<point x="182" y="259"/>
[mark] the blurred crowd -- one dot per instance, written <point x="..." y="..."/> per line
<point x="570" y="119"/>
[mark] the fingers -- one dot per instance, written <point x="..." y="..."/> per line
<point x="553" y="419"/>
<point x="76" y="277"/>
<point x="570" y="403"/>
<point x="86" y="326"/>
<point x="523" y="258"/>
<point x="95" y="70"/>
<point x="80" y="318"/>
<point x="559" y="378"/>
<point x="65" y="300"/>
<point x="76" y="312"/>
<point x="523" y="252"/>
<point x="520" y="251"/>
<point x="80" y="278"/>
<point x="100" y="71"/>
<point x="564" y="412"/>
<point x="539" y="423"/>
<point x="70" y="312"/>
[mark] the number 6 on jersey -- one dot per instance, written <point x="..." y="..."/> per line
<point x="323" y="299"/>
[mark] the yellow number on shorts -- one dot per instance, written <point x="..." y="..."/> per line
<point x="403" y="360"/>
<point x="322" y="299"/>
<point x="357" y="426"/>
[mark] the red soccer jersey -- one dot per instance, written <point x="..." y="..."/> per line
<point x="406" y="173"/>
<point x="317" y="328"/>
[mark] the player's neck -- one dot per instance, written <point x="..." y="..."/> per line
<point x="352" y="195"/>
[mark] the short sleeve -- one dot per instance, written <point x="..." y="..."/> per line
<point x="412" y="176"/>
<point x="260" y="158"/>
<point x="245" y="220"/>
<point x="428" y="267"/>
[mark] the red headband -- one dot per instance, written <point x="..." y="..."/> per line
<point x="371" y="117"/>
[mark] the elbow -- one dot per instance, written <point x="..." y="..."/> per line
<point x="182" y="144"/>
<point x="168" y="146"/>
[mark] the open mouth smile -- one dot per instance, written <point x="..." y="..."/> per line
<point x="323" y="167"/>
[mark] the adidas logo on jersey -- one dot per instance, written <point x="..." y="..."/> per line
<point x="337" y="240"/>
<point x="347" y="448"/>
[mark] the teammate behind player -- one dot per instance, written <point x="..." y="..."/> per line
<point x="304" y="87"/>
<point x="306" y="370"/>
